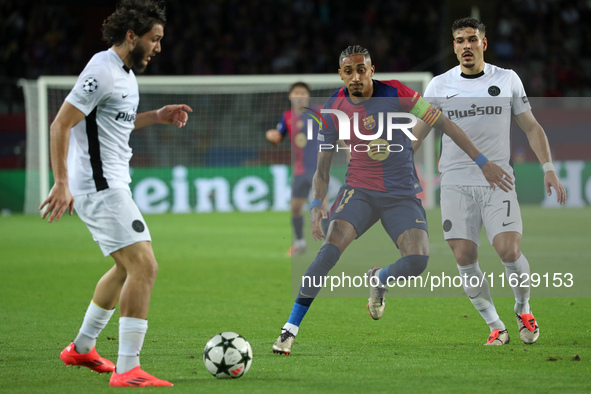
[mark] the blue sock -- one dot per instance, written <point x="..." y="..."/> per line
<point x="298" y="226"/>
<point x="297" y="314"/>
<point x="326" y="258"/>
<point x="411" y="265"/>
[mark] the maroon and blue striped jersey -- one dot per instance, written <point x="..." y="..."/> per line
<point x="304" y="152"/>
<point x="383" y="164"/>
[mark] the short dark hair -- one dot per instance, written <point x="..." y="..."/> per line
<point x="354" y="50"/>
<point x="299" y="85"/>
<point x="460" y="24"/>
<point x="137" y="15"/>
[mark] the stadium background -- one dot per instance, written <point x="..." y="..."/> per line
<point x="229" y="271"/>
<point x="546" y="42"/>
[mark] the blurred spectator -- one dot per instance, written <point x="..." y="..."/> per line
<point x="221" y="37"/>
<point x="546" y="44"/>
<point x="544" y="41"/>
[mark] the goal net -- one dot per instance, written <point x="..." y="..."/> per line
<point x="221" y="160"/>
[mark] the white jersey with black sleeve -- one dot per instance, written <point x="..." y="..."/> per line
<point x="482" y="105"/>
<point x="107" y="93"/>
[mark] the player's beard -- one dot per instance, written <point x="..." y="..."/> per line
<point x="138" y="54"/>
<point x="356" y="90"/>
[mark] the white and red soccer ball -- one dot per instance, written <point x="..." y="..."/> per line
<point x="227" y="355"/>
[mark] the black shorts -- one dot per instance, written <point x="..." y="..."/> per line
<point x="363" y="207"/>
<point x="301" y="185"/>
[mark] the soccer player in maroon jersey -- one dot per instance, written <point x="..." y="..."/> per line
<point x="381" y="184"/>
<point x="293" y="125"/>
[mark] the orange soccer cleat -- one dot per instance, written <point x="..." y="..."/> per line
<point x="90" y="360"/>
<point x="498" y="337"/>
<point x="136" y="378"/>
<point x="529" y="332"/>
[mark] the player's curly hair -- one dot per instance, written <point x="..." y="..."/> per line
<point x="460" y="24"/>
<point x="354" y="50"/>
<point x="137" y="15"/>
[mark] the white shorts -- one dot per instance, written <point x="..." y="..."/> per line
<point x="113" y="218"/>
<point x="465" y="209"/>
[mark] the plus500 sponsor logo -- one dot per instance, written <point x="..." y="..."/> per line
<point x="476" y="111"/>
<point x="125" y="117"/>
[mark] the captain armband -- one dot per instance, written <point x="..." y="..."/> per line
<point x="425" y="111"/>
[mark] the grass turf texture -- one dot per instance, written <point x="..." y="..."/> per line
<point x="228" y="272"/>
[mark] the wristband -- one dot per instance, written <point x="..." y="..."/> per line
<point x="548" y="167"/>
<point x="481" y="160"/>
<point x="315" y="203"/>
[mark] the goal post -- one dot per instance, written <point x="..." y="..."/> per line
<point x="226" y="129"/>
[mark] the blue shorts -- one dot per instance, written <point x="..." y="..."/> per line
<point x="363" y="207"/>
<point x="301" y="185"/>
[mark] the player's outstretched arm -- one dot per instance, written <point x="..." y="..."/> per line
<point x="539" y="144"/>
<point x="274" y="136"/>
<point x="60" y="198"/>
<point x="421" y="131"/>
<point x="170" y="114"/>
<point x="320" y="185"/>
<point x="493" y="173"/>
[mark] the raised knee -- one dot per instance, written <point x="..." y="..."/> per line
<point x="146" y="267"/>
<point x="119" y="272"/>
<point x="152" y="268"/>
<point x="465" y="259"/>
<point x="508" y="246"/>
<point x="510" y="255"/>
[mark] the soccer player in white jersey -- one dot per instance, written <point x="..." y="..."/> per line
<point x="90" y="156"/>
<point x="481" y="99"/>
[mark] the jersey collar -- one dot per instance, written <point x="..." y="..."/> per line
<point x="118" y="60"/>
<point x="473" y="76"/>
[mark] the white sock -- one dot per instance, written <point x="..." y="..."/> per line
<point x="291" y="328"/>
<point x="472" y="277"/>
<point x="95" y="319"/>
<point x="132" y="332"/>
<point x="300" y="243"/>
<point x="518" y="271"/>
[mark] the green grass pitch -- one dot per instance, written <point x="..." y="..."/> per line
<point x="228" y="272"/>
